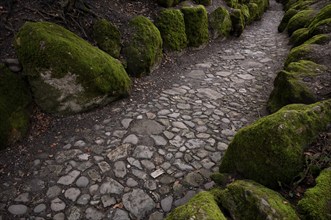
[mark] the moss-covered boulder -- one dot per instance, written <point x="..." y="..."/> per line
<point x="108" y="37"/>
<point x="300" y="20"/>
<point x="245" y="11"/>
<point x="143" y="49"/>
<point x="254" y="11"/>
<point x="203" y="2"/>
<point x="299" y="36"/>
<point x="196" y="25"/>
<point x="15" y="99"/>
<point x="232" y="3"/>
<point x="302" y="82"/>
<point x="287" y="16"/>
<point x="238" y="22"/>
<point x="262" y="6"/>
<point x="323" y="14"/>
<point x="171" y="25"/>
<point x="245" y="199"/>
<point x="316" y="203"/>
<point x="201" y="206"/>
<point x="66" y="73"/>
<point x="270" y="151"/>
<point x="220" y="23"/>
<point x="322" y="27"/>
<point x="321" y="39"/>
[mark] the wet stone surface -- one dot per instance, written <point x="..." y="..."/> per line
<point x="154" y="155"/>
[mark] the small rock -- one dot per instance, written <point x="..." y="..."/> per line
<point x="70" y="178"/>
<point x="72" y="194"/>
<point x="166" y="203"/>
<point x="83" y="199"/>
<point x="93" y="214"/>
<point x="39" y="208"/>
<point x="18" y="209"/>
<point x="107" y="201"/>
<point x="82" y="181"/>
<point x="120" y="169"/>
<point x="57" y="205"/>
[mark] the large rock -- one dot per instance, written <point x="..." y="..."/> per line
<point x="14" y="107"/>
<point x="171" y="24"/>
<point x="196" y="25"/>
<point x="270" y="151"/>
<point x="245" y="199"/>
<point x="143" y="48"/>
<point x="108" y="37"/>
<point x="66" y="73"/>
<point x="201" y="206"/>
<point x="300" y="20"/>
<point x="302" y="82"/>
<point x="220" y="23"/>
<point x="238" y="22"/>
<point x="316" y="203"/>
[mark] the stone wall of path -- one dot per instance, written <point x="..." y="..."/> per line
<point x="158" y="154"/>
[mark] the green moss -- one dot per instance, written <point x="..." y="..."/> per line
<point x="262" y="6"/>
<point x="298" y="53"/>
<point x="15" y="99"/>
<point x="201" y="206"/>
<point x="165" y="3"/>
<point x="144" y="49"/>
<point x="50" y="55"/>
<point x="319" y="39"/>
<point x="232" y="3"/>
<point x="323" y="14"/>
<point x="322" y="27"/>
<point x="220" y="22"/>
<point x="287" y="16"/>
<point x="254" y="12"/>
<point x="288" y="90"/>
<point x="171" y="24"/>
<point x="299" y="36"/>
<point x="300" y="5"/>
<point x="245" y="199"/>
<point x="203" y="2"/>
<point x="220" y="178"/>
<point x="316" y="201"/>
<point x="238" y="22"/>
<point x="245" y="11"/>
<point x="300" y="20"/>
<point x="275" y="144"/>
<point x="305" y="68"/>
<point x="196" y="25"/>
<point x="108" y="37"/>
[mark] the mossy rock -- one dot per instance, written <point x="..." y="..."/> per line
<point x="15" y="100"/>
<point x="300" y="20"/>
<point x="322" y="27"/>
<point x="302" y="82"/>
<point x="316" y="203"/>
<point x="300" y="5"/>
<point x="143" y="49"/>
<point x="245" y="11"/>
<point x="165" y="3"/>
<point x="232" y="3"/>
<point x="299" y="36"/>
<point x="108" y="37"/>
<point x="246" y="199"/>
<point x="220" y="23"/>
<point x="203" y="2"/>
<point x="66" y="74"/>
<point x="323" y="14"/>
<point x="171" y="25"/>
<point x="238" y="22"/>
<point x="196" y="25"/>
<point x="314" y="52"/>
<point x="321" y="39"/>
<point x="254" y="11"/>
<point x="201" y="206"/>
<point x="270" y="151"/>
<point x="262" y="6"/>
<point x="287" y="16"/>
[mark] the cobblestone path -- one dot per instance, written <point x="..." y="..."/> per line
<point x="154" y="156"/>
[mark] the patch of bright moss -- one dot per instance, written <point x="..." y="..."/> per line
<point x="196" y="25"/>
<point x="254" y="12"/>
<point x="171" y="25"/>
<point x="323" y="14"/>
<point x="270" y="151"/>
<point x="238" y="22"/>
<point x="201" y="206"/>
<point x="322" y="27"/>
<point x="298" y="53"/>
<point x="287" y="16"/>
<point x="319" y="39"/>
<point x="66" y="73"/>
<point x="300" y="20"/>
<point x="288" y="90"/>
<point x="108" y="37"/>
<point x="299" y="36"/>
<point x="246" y="199"/>
<point x="245" y="11"/>
<point x="316" y="203"/>
<point x="15" y="99"/>
<point x="143" y="51"/>
<point x="220" y="22"/>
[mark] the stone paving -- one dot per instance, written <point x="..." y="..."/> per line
<point x="156" y="155"/>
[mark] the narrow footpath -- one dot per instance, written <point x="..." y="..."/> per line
<point x="150" y="156"/>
